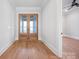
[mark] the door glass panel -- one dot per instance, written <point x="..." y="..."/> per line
<point x="23" y="24"/>
<point x="32" y="24"/>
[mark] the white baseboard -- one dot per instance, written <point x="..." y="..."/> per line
<point x="72" y="37"/>
<point x="52" y="48"/>
<point x="17" y="38"/>
<point x="6" y="47"/>
<point x="39" y="37"/>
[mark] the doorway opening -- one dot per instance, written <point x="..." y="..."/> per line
<point x="28" y="26"/>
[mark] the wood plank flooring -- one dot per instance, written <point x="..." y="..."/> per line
<point x="33" y="49"/>
<point x="70" y="48"/>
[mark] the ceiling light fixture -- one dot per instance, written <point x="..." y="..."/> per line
<point x="72" y="5"/>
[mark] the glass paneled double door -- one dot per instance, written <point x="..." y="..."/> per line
<point x="28" y="26"/>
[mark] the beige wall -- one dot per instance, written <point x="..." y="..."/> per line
<point x="51" y="26"/>
<point x="71" y="23"/>
<point x="7" y="25"/>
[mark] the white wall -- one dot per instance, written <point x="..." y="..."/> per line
<point x="29" y="10"/>
<point x="51" y="26"/>
<point x="7" y="25"/>
<point x="71" y="24"/>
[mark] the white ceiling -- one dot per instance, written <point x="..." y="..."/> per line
<point x="38" y="3"/>
<point x="30" y="3"/>
<point x="68" y="2"/>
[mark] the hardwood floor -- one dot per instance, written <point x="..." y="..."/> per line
<point x="33" y="49"/>
<point x="70" y="48"/>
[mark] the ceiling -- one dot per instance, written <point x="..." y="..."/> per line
<point x="38" y="3"/>
<point x="68" y="2"/>
<point x="30" y="3"/>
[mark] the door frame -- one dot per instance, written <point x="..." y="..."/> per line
<point x="19" y="23"/>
